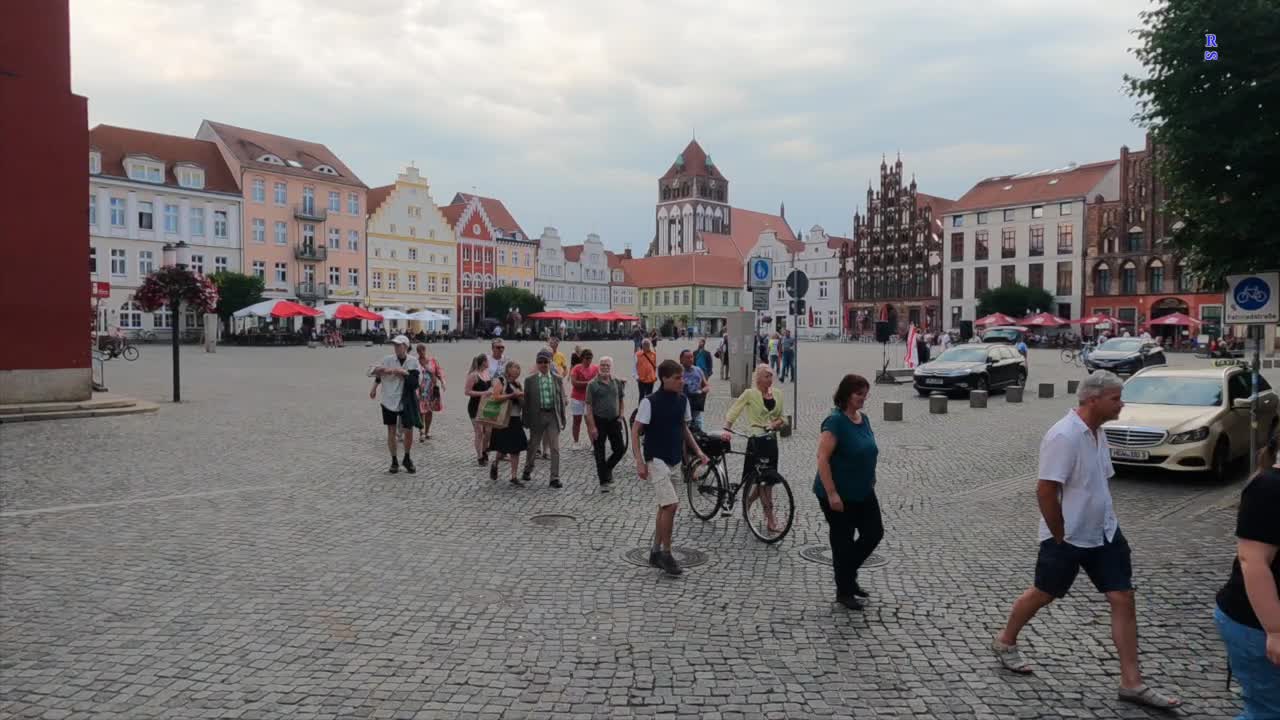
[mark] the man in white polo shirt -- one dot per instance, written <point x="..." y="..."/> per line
<point x="1078" y="529"/>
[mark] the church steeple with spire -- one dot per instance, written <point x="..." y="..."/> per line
<point x="692" y="196"/>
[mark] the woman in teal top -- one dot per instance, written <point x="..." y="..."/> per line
<point x="846" y="487"/>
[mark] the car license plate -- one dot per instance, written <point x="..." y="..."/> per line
<point x="933" y="381"/>
<point x="1125" y="454"/>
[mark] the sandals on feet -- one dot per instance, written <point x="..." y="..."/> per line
<point x="1149" y="696"/>
<point x="1010" y="658"/>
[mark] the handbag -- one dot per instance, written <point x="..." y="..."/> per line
<point x="494" y="413"/>
<point x="697" y="402"/>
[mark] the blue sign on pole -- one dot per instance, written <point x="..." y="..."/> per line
<point x="761" y="272"/>
<point x="1252" y="299"/>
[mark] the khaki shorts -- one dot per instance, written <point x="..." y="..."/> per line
<point x="663" y="478"/>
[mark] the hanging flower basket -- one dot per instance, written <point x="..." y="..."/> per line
<point x="197" y="292"/>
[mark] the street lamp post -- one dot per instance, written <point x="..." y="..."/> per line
<point x="176" y="255"/>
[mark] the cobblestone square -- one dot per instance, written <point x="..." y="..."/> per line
<point x="246" y="555"/>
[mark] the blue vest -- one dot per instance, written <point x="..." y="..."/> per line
<point x="664" y="435"/>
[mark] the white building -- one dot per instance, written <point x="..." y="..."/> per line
<point x="147" y="190"/>
<point x="820" y="264"/>
<point x="411" y="249"/>
<point x="572" y="277"/>
<point x="1027" y="228"/>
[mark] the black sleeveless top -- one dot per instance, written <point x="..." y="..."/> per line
<point x="473" y="405"/>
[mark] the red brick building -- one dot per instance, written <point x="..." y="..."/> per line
<point x="1131" y="270"/>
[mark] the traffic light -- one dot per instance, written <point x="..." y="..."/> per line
<point x="797" y="307"/>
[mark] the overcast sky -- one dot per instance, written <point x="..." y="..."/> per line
<point x="570" y="110"/>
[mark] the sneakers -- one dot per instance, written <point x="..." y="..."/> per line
<point x="408" y="465"/>
<point x="395" y="466"/>
<point x="849" y="601"/>
<point x="668" y="563"/>
<point x="493" y="470"/>
<point x="653" y="558"/>
<point x="555" y="483"/>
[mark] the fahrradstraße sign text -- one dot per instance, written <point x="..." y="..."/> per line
<point x="1252" y="299"/>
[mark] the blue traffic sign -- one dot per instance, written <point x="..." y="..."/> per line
<point x="761" y="272"/>
<point x="1252" y="293"/>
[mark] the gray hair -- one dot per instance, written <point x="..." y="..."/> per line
<point x="604" y="359"/>
<point x="645" y="343"/>
<point x="1096" y="384"/>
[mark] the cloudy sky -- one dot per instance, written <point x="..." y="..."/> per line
<point x="569" y="110"/>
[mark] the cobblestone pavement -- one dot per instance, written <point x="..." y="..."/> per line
<point x="245" y="555"/>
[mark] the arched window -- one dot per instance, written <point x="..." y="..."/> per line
<point x="466" y="280"/>
<point x="162" y="318"/>
<point x="1155" y="277"/>
<point x="130" y="315"/>
<point x="1102" y="279"/>
<point x="1184" y="278"/>
<point x="1128" y="278"/>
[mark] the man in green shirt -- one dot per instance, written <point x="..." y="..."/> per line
<point x="604" y="420"/>
<point x="543" y="412"/>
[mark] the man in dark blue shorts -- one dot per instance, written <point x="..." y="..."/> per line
<point x="1079" y="530"/>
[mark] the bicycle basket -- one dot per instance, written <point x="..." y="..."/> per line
<point x="712" y="446"/>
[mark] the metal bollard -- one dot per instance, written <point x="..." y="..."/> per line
<point x="1046" y="390"/>
<point x="892" y="411"/>
<point x="978" y="398"/>
<point x="1072" y="386"/>
<point x="1013" y="394"/>
<point x="937" y="404"/>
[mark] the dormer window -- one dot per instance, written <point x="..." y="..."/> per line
<point x="190" y="176"/>
<point x="293" y="163"/>
<point x="95" y="162"/>
<point x="270" y="159"/>
<point x="145" y="169"/>
<point x="326" y="169"/>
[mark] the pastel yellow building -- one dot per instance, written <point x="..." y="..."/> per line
<point x="412" y="251"/>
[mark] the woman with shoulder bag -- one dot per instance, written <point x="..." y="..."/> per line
<point x="509" y="441"/>
<point x="430" y="391"/>
<point x="646" y="368"/>
<point x="763" y="406"/>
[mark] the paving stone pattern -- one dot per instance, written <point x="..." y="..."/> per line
<point x="245" y="555"/>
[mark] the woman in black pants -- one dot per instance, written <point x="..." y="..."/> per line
<point x="845" y="486"/>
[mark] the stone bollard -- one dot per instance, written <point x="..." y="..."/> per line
<point x="311" y="344"/>
<point x="1046" y="390"/>
<point x="1072" y="386"/>
<point x="892" y="411"/>
<point x="978" y="398"/>
<point x="937" y="404"/>
<point x="1013" y="394"/>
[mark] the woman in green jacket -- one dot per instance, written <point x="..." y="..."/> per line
<point x="763" y="406"/>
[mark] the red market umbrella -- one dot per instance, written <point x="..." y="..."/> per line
<point x="1174" y="319"/>
<point x="1043" y="319"/>
<point x="615" y="316"/>
<point x="278" y="309"/>
<point x="549" y="315"/>
<point x="1094" y="320"/>
<point x="347" y="311"/>
<point x="994" y="319"/>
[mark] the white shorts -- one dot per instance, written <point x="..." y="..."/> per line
<point x="663" y="477"/>
<point x="577" y="407"/>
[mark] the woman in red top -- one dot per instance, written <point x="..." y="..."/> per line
<point x="430" y="391"/>
<point x="581" y="375"/>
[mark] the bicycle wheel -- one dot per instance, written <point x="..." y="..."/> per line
<point x="768" y="507"/>
<point x="706" y="491"/>
<point x="130" y="353"/>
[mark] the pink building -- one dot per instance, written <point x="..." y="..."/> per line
<point x="304" y="215"/>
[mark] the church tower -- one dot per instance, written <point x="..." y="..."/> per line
<point x="692" y="196"/>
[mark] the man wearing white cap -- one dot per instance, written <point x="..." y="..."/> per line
<point x="395" y="372"/>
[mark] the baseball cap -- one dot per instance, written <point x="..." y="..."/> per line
<point x="400" y="340"/>
<point x="544" y="355"/>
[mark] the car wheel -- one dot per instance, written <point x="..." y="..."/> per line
<point x="924" y="392"/>
<point x="981" y="383"/>
<point x="1022" y="379"/>
<point x="1221" y="461"/>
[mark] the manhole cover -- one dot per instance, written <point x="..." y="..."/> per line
<point x="481" y="597"/>
<point x="915" y="447"/>
<point x="553" y="520"/>
<point x="822" y="554"/>
<point x="687" y="557"/>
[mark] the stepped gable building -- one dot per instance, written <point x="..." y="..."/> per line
<point x="892" y="268"/>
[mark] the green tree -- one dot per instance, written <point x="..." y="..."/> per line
<point x="499" y="301"/>
<point x="236" y="291"/>
<point x="1014" y="300"/>
<point x="1215" y="124"/>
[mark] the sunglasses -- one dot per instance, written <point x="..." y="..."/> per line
<point x="543" y="362"/>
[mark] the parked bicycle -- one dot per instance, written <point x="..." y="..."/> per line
<point x="768" y="505"/>
<point x="1076" y="356"/>
<point x="118" y="347"/>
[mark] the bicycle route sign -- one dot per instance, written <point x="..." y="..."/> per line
<point x="760" y="273"/>
<point x="1253" y="299"/>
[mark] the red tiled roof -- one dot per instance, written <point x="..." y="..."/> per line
<point x="453" y="213"/>
<point x="696" y="162"/>
<point x="1031" y="188"/>
<point x="747" y="226"/>
<point x="678" y="270"/>
<point x="572" y="253"/>
<point x="497" y="212"/>
<point x="116" y="142"/>
<point x="377" y="196"/>
<point x="249" y="145"/>
<point x="940" y="205"/>
<point x="618" y="261"/>
<point x="835" y="242"/>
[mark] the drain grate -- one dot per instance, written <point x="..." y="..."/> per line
<point x="822" y="554"/>
<point x="687" y="557"/>
<point x="554" y="520"/>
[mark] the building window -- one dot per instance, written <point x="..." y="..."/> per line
<point x="1066" y="238"/>
<point x="308" y="200"/>
<point x="1035" y="276"/>
<point x="93" y="209"/>
<point x="146" y="172"/>
<point x="259" y="190"/>
<point x="982" y="218"/>
<point x="822" y="288"/>
<point x="260" y="269"/>
<point x="191" y="178"/>
<point x="1184" y="278"/>
<point x="1007" y="275"/>
<point x="1064" y="279"/>
<point x="335" y="201"/>
<point x="957" y="284"/>
<point x="119" y="263"/>
<point x="117" y="212"/>
<point x="353" y="277"/>
<point x="282" y="272"/>
<point x="353" y="240"/>
<point x="220" y="264"/>
<point x="1037" y="241"/>
<point x="220" y="224"/>
<point x="413" y="282"/>
<point x="197" y="222"/>
<point x="335" y="276"/>
<point x="1155" y="277"/>
<point x="260" y="230"/>
<point x="957" y="247"/>
<point x="171" y="218"/>
<point x="393" y="228"/>
<point x="353" y="204"/>
<point x="146" y="262"/>
<point x="162" y="318"/>
<point x="197" y="264"/>
<point x="702" y="297"/>
<point x="130" y="316"/>
<point x="309" y="236"/>
<point x="377" y="252"/>
<point x="431" y="283"/>
<point x="393" y="280"/>
<point x="335" y="239"/>
<point x="1064" y="208"/>
<point x="93" y="260"/>
<point x="1102" y="280"/>
<point x="466" y="252"/>
<point x="1037" y="211"/>
<point x="981" y="246"/>
<point x="957" y="221"/>
<point x="1008" y="215"/>
<point x="392" y="252"/>
<point x="1128" y="279"/>
<point x="282" y="233"/>
<point x="444" y="283"/>
<point x="1008" y="243"/>
<point x="95" y="163"/>
<point x="281" y="193"/>
<point x="980" y="283"/>
<point x="1133" y="241"/>
<point x="502" y="256"/>
<point x="146" y="216"/>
